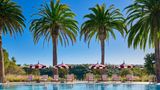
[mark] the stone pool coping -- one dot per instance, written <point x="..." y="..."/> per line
<point x="76" y="82"/>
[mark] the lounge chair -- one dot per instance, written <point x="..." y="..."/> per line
<point x="129" y="78"/>
<point x="115" y="78"/>
<point x="70" y="78"/>
<point x="44" y="78"/>
<point x="152" y="78"/>
<point x="56" y="78"/>
<point x="104" y="77"/>
<point x="90" y="77"/>
<point x="30" y="78"/>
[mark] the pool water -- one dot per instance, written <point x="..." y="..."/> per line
<point x="80" y="87"/>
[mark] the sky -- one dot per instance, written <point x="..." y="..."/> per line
<point x="26" y="52"/>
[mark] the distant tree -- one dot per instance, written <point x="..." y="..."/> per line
<point x="124" y="72"/>
<point x="150" y="63"/>
<point x="62" y="73"/>
<point x="79" y="71"/>
<point x="47" y="71"/>
<point x="10" y="65"/>
<point x="112" y="70"/>
<point x="13" y="59"/>
<point x="137" y="71"/>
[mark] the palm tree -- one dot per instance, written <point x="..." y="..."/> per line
<point x="55" y="22"/>
<point x="144" y="22"/>
<point x="11" y="22"/>
<point x="100" y="24"/>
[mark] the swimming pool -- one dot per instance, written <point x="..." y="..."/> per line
<point x="80" y="87"/>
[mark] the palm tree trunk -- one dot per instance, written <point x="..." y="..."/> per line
<point x="102" y="51"/>
<point x="54" y="41"/>
<point x="2" y="72"/>
<point x="157" y="57"/>
<point x="157" y="49"/>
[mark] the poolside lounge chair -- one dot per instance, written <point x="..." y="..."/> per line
<point x="56" y="78"/>
<point x="30" y="78"/>
<point x="104" y="77"/>
<point x="152" y="78"/>
<point x="129" y="78"/>
<point x="90" y="77"/>
<point x="115" y="78"/>
<point x="44" y="78"/>
<point x="70" y="78"/>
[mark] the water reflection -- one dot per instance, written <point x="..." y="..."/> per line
<point x="80" y="87"/>
<point x="90" y="87"/>
<point x="65" y="86"/>
<point x="55" y="87"/>
<point x="129" y="86"/>
<point x="103" y="87"/>
<point x="152" y="87"/>
<point x="45" y="87"/>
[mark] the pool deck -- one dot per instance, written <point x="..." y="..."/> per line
<point x="76" y="82"/>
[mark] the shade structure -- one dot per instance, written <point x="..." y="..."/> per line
<point x="62" y="66"/>
<point x="37" y="66"/>
<point x="123" y="65"/>
<point x="97" y="66"/>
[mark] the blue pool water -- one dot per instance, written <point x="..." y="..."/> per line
<point x="80" y="87"/>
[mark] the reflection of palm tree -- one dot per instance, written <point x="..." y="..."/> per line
<point x="66" y="86"/>
<point x="90" y="86"/>
<point x="55" y="87"/>
<point x="115" y="85"/>
<point x="129" y="86"/>
<point x="69" y="86"/>
<point x="45" y="87"/>
<point x="151" y="87"/>
<point x="102" y="87"/>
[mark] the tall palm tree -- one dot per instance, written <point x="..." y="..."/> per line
<point x="144" y="22"/>
<point x="11" y="22"/>
<point x="101" y="24"/>
<point x="55" y="22"/>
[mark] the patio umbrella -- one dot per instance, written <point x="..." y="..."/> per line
<point x="37" y="66"/>
<point x="62" y="66"/>
<point x="97" y="66"/>
<point x="123" y="65"/>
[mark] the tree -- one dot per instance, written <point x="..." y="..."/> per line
<point x="100" y="24"/>
<point x="11" y="22"/>
<point x="149" y="63"/>
<point x="10" y="66"/>
<point x="79" y="71"/>
<point x="13" y="59"/>
<point x="55" y="22"/>
<point x="124" y="72"/>
<point x="144" y="22"/>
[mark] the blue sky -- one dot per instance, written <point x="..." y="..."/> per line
<point x="117" y="51"/>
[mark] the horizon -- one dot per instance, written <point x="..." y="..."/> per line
<point x="117" y="51"/>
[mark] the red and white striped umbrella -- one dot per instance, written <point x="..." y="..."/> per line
<point x="123" y="65"/>
<point x="97" y="66"/>
<point x="62" y="66"/>
<point x="37" y="66"/>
